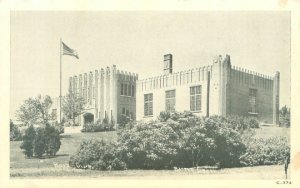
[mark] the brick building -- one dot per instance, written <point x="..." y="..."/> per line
<point x="107" y="93"/>
<point x="217" y="89"/>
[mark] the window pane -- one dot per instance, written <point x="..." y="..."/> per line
<point x="192" y="103"/>
<point x="198" y="90"/>
<point x="121" y="89"/>
<point x="125" y="89"/>
<point x="132" y="92"/>
<point x="198" y="102"/>
<point x="150" y="109"/>
<point x="129" y="90"/>
<point x="146" y="109"/>
<point x="192" y="90"/>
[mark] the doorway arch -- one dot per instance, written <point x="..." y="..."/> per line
<point x="88" y="118"/>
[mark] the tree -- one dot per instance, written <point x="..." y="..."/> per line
<point x="15" y="133"/>
<point x="40" y="142"/>
<point x="37" y="142"/>
<point x="52" y="140"/>
<point x="284" y="116"/>
<point x="28" y="141"/>
<point x="35" y="110"/>
<point x="72" y="106"/>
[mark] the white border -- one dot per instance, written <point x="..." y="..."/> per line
<point x="143" y="5"/>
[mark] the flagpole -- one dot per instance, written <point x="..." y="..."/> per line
<point x="60" y="84"/>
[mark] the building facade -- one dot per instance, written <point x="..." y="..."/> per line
<point x="107" y="93"/>
<point x="217" y="89"/>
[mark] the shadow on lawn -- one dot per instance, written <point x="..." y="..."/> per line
<point x="66" y="136"/>
<point x="49" y="157"/>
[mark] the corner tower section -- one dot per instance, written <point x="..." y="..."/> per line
<point x="219" y="86"/>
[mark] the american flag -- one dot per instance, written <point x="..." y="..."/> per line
<point x="68" y="51"/>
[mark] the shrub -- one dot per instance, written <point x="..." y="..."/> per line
<point x="52" y="140"/>
<point x="28" y="142"/>
<point x="59" y="127"/>
<point x="149" y="145"/>
<point x="97" y="155"/>
<point x="40" y="142"/>
<point x="189" y="141"/>
<point x="97" y="126"/>
<point x="123" y="121"/>
<point x="240" y="123"/>
<point x="15" y="133"/>
<point x="37" y="142"/>
<point x="178" y="140"/>
<point x="284" y="117"/>
<point x="269" y="151"/>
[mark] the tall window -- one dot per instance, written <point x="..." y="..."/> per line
<point x="148" y="104"/>
<point x="125" y="89"/>
<point x="195" y="98"/>
<point x="129" y="90"/>
<point x="170" y="101"/>
<point x="122" y="93"/>
<point x="132" y="90"/>
<point x="252" y="100"/>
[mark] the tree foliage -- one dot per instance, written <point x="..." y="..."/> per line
<point x="35" y="110"/>
<point x="73" y="106"/>
<point x="181" y="140"/>
<point x="284" y="117"/>
<point x="97" y="155"/>
<point x="40" y="141"/>
<point x="15" y="133"/>
<point x="28" y="141"/>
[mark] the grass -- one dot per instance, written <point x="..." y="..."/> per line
<point x="69" y="145"/>
<point x="58" y="165"/>
<point x="258" y="172"/>
<point x="266" y="132"/>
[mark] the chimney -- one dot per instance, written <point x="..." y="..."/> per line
<point x="168" y="64"/>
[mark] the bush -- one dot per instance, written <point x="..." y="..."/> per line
<point x="189" y="141"/>
<point x="180" y="140"/>
<point x="52" y="140"/>
<point x="149" y="146"/>
<point x="284" y="117"/>
<point x="123" y="121"/>
<point x="15" y="133"/>
<point x="59" y="127"/>
<point x="269" y="151"/>
<point x="43" y="140"/>
<point x="241" y="124"/>
<point x="40" y="142"/>
<point x="97" y="126"/>
<point x="28" y="142"/>
<point x="97" y="155"/>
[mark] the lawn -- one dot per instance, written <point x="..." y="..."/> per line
<point x="58" y="165"/>
<point x="69" y="144"/>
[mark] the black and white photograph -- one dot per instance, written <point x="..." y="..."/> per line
<point x="151" y="95"/>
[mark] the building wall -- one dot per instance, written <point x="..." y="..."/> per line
<point x="226" y="91"/>
<point x="181" y="83"/>
<point x="241" y="81"/>
<point x="126" y="101"/>
<point x="101" y="92"/>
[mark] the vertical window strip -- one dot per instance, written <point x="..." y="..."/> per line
<point x="195" y="98"/>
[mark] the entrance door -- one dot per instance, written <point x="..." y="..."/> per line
<point x="88" y="118"/>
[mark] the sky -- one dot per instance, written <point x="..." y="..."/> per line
<point x="137" y="41"/>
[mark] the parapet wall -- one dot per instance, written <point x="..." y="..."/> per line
<point x="83" y="83"/>
<point x="100" y="90"/>
<point x="246" y="77"/>
<point x="176" y="79"/>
